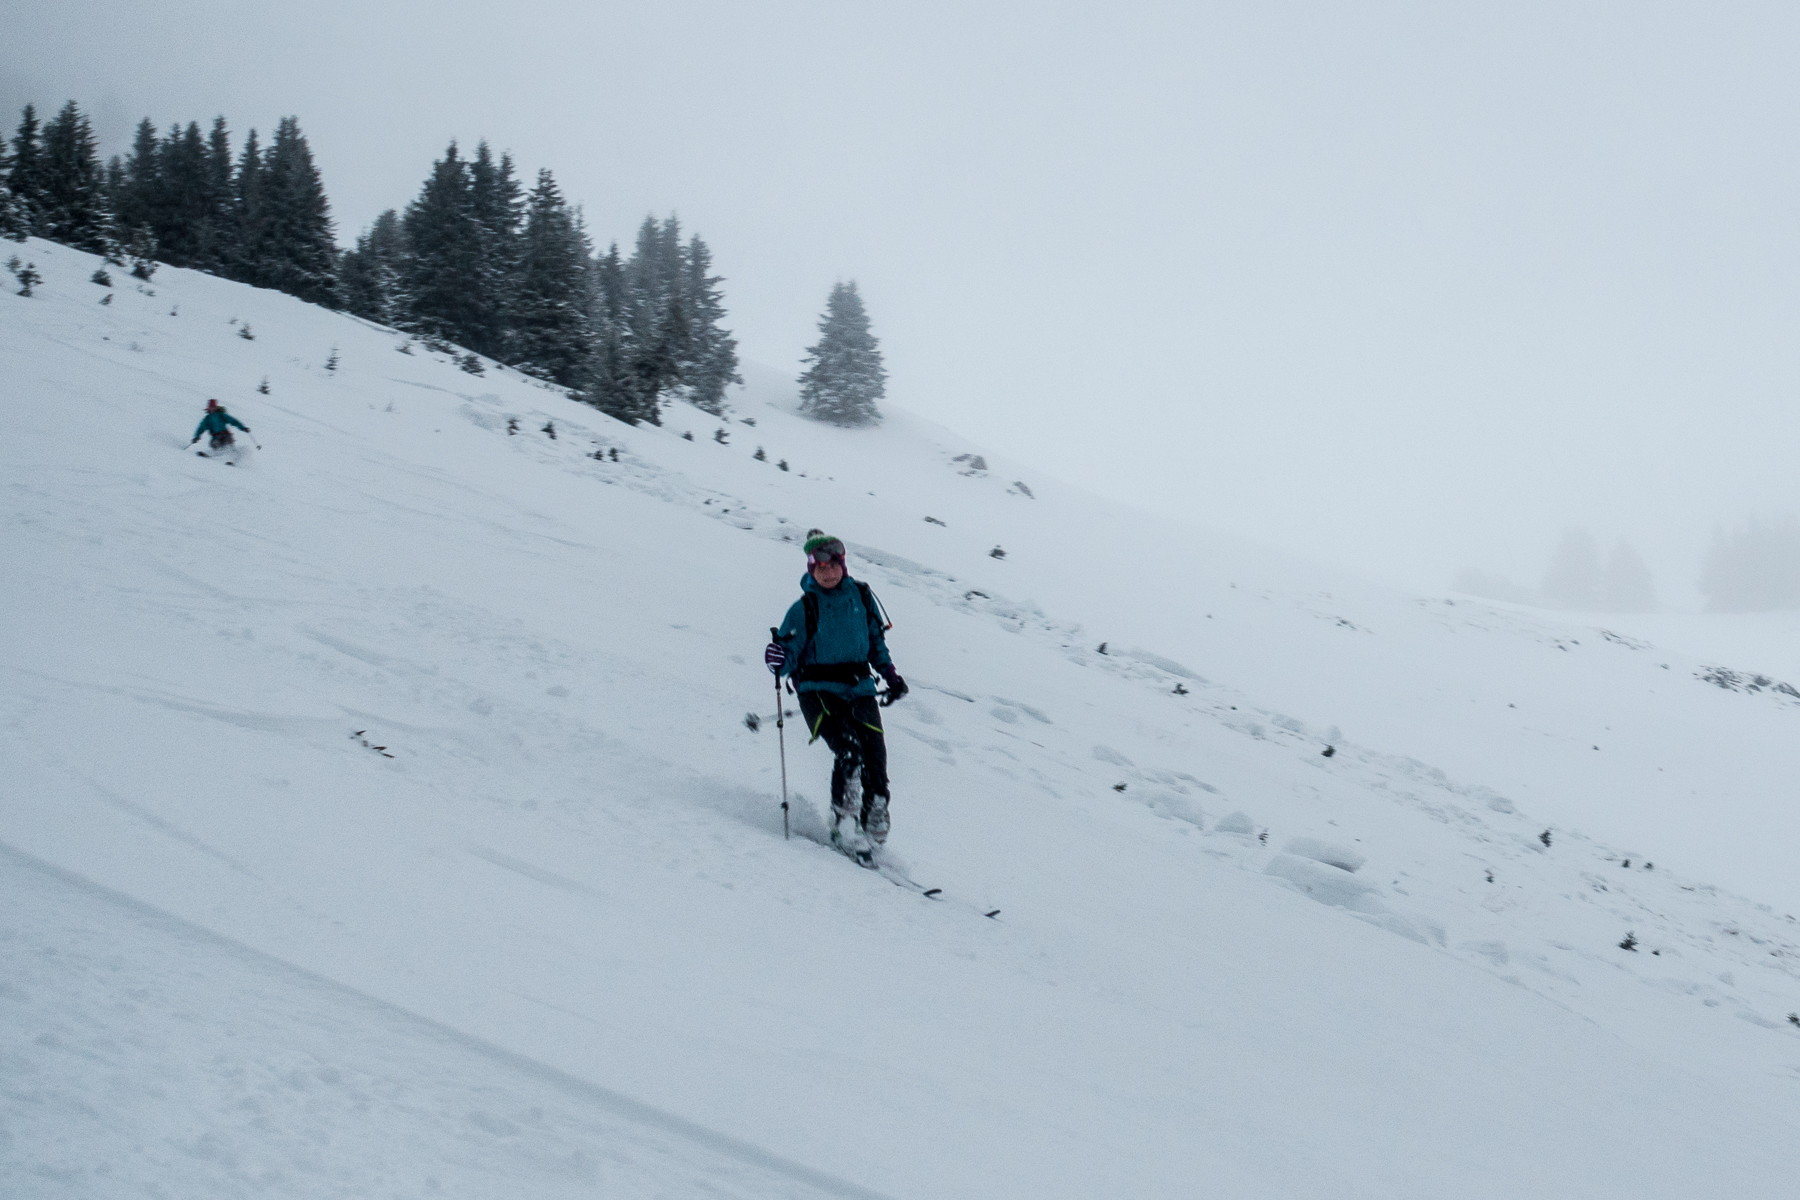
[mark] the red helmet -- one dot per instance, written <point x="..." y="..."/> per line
<point x="211" y="405"/>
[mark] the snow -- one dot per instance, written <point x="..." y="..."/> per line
<point x="548" y="939"/>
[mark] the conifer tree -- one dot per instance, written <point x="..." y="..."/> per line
<point x="496" y="201"/>
<point x="371" y="277"/>
<point x="246" y="221"/>
<point x="14" y="220"/>
<point x="216" y="242"/>
<point x="608" y="302"/>
<point x="712" y="361"/>
<point x="846" y="377"/>
<point x="612" y="387"/>
<point x="135" y="189"/>
<point x="294" y="251"/>
<point x="182" y="206"/>
<point x="26" y="175"/>
<point x="73" y="208"/>
<point x="550" y="316"/>
<point x="444" y="255"/>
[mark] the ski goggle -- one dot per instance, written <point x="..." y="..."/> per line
<point x="834" y="552"/>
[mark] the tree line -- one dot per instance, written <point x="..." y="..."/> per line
<point x="475" y="260"/>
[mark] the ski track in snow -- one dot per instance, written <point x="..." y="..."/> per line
<point x="292" y="1084"/>
<point x="519" y="755"/>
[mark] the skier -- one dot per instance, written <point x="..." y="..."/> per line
<point x="830" y="639"/>
<point x="218" y="422"/>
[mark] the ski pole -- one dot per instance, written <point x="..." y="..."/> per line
<point x="781" y="740"/>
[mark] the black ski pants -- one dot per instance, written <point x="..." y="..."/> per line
<point x="852" y="728"/>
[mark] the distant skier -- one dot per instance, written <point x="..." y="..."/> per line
<point x="217" y="422"/>
<point x="832" y="637"/>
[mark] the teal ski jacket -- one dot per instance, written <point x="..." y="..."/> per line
<point x="215" y="422"/>
<point x="848" y="636"/>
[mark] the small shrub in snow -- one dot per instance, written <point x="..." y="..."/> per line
<point x="782" y="465"/>
<point x="1544" y="837"/>
<point x="331" y="364"/>
<point x="142" y="252"/>
<point x="245" y="333"/>
<point x="27" y="275"/>
<point x="721" y="437"/>
<point x="404" y="347"/>
<point x="101" y="277"/>
<point x="262" y="389"/>
<point x="759" y="456"/>
<point x="1630" y="942"/>
<point x="1794" y="1018"/>
<point x="750" y="421"/>
<point x="687" y="435"/>
<point x="1180" y="690"/>
<point x="106" y="299"/>
<point x="550" y="428"/>
<point x="471" y="364"/>
<point x="512" y="426"/>
<point x="1118" y="787"/>
<point x="615" y="454"/>
<point x="935" y="521"/>
<point x="996" y="552"/>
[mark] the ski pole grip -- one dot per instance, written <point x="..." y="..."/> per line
<point x="774" y="634"/>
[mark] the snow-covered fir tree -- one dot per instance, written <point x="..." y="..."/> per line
<point x="550" y="309"/>
<point x="71" y="202"/>
<point x="15" y="221"/>
<point x="25" y="174"/>
<point x="846" y="377"/>
<point x="246" y="206"/>
<point x="370" y="276"/>
<point x="446" y="257"/>
<point x="288" y="243"/>
<point x="712" y="362"/>
<point x="496" y="199"/>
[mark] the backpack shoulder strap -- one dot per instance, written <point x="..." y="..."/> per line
<point x="811" y="603"/>
<point x="872" y="606"/>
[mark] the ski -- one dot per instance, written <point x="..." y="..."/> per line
<point x="900" y="879"/>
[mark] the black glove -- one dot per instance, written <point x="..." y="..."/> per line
<point x="775" y="657"/>
<point x="896" y="685"/>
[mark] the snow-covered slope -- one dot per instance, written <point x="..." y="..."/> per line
<point x="380" y="817"/>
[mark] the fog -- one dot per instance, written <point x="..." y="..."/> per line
<point x="1414" y="287"/>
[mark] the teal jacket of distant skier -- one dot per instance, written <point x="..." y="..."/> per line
<point x="215" y="422"/>
<point x="848" y="637"/>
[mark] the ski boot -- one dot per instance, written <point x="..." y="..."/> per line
<point x="848" y="838"/>
<point x="875" y="818"/>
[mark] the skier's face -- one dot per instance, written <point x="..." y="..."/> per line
<point x="828" y="574"/>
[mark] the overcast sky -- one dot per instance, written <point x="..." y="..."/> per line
<point x="1408" y="285"/>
